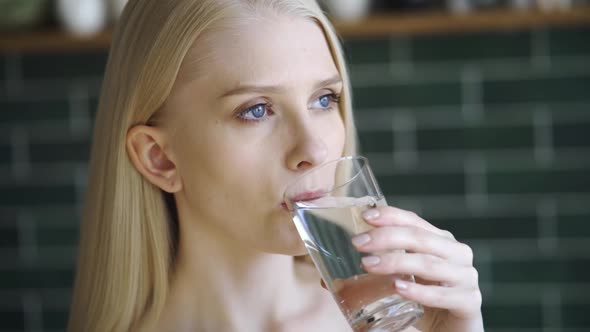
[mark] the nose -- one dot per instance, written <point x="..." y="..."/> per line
<point x="309" y="149"/>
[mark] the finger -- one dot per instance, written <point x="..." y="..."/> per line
<point x="427" y="267"/>
<point x="414" y="239"/>
<point x="461" y="302"/>
<point x="392" y="216"/>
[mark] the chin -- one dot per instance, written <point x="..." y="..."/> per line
<point x="292" y="247"/>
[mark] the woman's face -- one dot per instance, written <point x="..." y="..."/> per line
<point x="254" y="107"/>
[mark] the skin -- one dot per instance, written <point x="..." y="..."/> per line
<point x="228" y="177"/>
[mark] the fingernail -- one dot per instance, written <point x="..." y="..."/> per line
<point x="371" y="260"/>
<point x="401" y="285"/>
<point x="370" y="214"/>
<point x="359" y="240"/>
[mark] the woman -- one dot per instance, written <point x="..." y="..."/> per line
<point x="209" y="109"/>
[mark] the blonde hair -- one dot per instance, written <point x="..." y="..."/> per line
<point x="127" y="245"/>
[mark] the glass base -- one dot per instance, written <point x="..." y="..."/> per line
<point x="391" y="314"/>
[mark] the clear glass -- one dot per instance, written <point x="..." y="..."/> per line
<point x="326" y="203"/>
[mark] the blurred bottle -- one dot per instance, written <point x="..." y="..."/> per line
<point x="116" y="8"/>
<point x="407" y="5"/>
<point x="522" y="4"/>
<point x="552" y="5"/>
<point x="347" y="10"/>
<point x="82" y="17"/>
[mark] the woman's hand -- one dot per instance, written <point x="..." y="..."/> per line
<point x="446" y="281"/>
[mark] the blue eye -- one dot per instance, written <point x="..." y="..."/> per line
<point x="255" y="113"/>
<point x="326" y="102"/>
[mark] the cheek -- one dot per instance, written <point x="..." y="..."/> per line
<point x="337" y="139"/>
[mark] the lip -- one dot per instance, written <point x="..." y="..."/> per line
<point x="308" y="195"/>
<point x="304" y="196"/>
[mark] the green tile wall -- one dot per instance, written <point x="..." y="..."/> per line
<point x="486" y="135"/>
<point x="497" y="152"/>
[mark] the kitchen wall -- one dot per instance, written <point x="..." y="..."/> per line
<point x="486" y="135"/>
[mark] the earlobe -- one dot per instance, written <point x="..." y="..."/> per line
<point x="146" y="147"/>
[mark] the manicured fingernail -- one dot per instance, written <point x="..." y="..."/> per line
<point x="371" y="260"/>
<point x="359" y="240"/>
<point x="370" y="214"/>
<point x="401" y="285"/>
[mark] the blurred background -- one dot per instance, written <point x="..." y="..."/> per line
<point x="473" y="113"/>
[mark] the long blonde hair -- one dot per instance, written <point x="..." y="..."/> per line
<point x="127" y="244"/>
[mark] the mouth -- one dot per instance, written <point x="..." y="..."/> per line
<point x="304" y="196"/>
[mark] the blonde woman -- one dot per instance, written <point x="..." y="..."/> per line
<point x="209" y="108"/>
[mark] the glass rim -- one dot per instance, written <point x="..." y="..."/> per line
<point x="321" y="166"/>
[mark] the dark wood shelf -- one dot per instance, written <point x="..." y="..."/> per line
<point x="373" y="26"/>
<point x="445" y="23"/>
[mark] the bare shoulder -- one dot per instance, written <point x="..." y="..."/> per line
<point x="322" y="314"/>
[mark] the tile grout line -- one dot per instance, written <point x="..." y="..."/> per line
<point x="27" y="236"/>
<point x="504" y="70"/>
<point x="540" y="57"/>
<point x="13" y="83"/>
<point x="33" y="311"/>
<point x="80" y="184"/>
<point x="400" y="57"/>
<point x="551" y="308"/>
<point x="79" y="112"/>
<point x="475" y="170"/>
<point x="472" y="108"/>
<point x="405" y="153"/>
<point x="547" y="212"/>
<point x="543" y="136"/>
<point x="21" y="164"/>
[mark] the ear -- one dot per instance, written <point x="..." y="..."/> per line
<point x="149" y="152"/>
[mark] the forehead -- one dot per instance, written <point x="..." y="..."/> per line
<point x="274" y="49"/>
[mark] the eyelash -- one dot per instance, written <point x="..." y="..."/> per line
<point x="334" y="100"/>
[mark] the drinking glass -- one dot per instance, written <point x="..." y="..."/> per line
<point x="326" y="204"/>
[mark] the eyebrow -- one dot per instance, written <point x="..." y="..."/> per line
<point x="243" y="89"/>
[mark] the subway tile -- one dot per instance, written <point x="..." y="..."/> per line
<point x="73" y="151"/>
<point x="539" y="181"/>
<point x="63" y="65"/>
<point x="569" y="41"/>
<point x="482" y="228"/>
<point x="572" y="135"/>
<point x="5" y="152"/>
<point x="365" y="51"/>
<point x="3" y="66"/>
<point x="12" y="320"/>
<point x="548" y="89"/>
<point x="36" y="279"/>
<point x="9" y="236"/>
<point x="575" y="315"/>
<point x="51" y="236"/>
<point x="420" y="184"/>
<point x="372" y="97"/>
<point x="376" y="141"/>
<point x="64" y="216"/>
<point x="541" y="271"/>
<point x="27" y="111"/>
<point x="512" y="316"/>
<point x="55" y="319"/>
<point x="427" y="94"/>
<point x="408" y="95"/>
<point x="476" y="138"/>
<point x="37" y="195"/>
<point x="472" y="47"/>
<point x="573" y="226"/>
<point x="93" y="108"/>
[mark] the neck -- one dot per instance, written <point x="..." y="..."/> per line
<point x="218" y="277"/>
